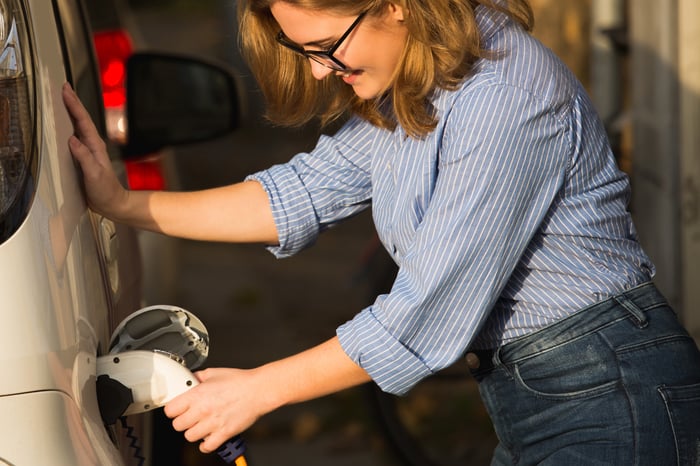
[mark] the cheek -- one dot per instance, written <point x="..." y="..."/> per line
<point x="383" y="54"/>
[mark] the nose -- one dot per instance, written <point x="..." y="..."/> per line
<point x="318" y="70"/>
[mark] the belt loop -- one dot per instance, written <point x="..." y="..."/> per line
<point x="637" y="315"/>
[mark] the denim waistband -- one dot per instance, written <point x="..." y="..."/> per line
<point x="630" y="304"/>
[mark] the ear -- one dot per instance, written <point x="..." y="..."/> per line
<point x="397" y="12"/>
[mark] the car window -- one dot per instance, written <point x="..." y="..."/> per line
<point x="103" y="14"/>
<point x="77" y="48"/>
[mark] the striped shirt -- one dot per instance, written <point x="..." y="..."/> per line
<point x="509" y="216"/>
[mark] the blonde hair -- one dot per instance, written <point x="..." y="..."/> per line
<point x="443" y="43"/>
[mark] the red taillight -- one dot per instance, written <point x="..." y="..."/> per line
<point x="18" y="180"/>
<point x="113" y="49"/>
<point x="145" y="174"/>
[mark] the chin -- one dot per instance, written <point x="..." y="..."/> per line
<point x="369" y="89"/>
<point x="365" y="93"/>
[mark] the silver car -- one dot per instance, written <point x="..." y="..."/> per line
<point x="67" y="275"/>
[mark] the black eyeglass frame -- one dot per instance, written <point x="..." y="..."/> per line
<point x="319" y="55"/>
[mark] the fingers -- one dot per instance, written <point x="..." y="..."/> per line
<point x="177" y="406"/>
<point x="184" y="418"/>
<point x="214" y="410"/>
<point x="213" y="442"/>
<point x="79" y="150"/>
<point x="195" y="425"/>
<point x="83" y="125"/>
<point x="203" y="375"/>
<point x="211" y="435"/>
<point x="86" y="145"/>
<point x="79" y="115"/>
<point x="184" y="411"/>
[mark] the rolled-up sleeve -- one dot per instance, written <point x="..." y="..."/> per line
<point x="292" y="210"/>
<point x="315" y="190"/>
<point x="380" y="352"/>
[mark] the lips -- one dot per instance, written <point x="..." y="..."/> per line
<point x="351" y="77"/>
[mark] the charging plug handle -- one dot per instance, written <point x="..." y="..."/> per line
<point x="232" y="450"/>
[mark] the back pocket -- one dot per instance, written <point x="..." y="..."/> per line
<point x="683" y="407"/>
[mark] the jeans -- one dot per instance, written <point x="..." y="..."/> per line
<point x="617" y="383"/>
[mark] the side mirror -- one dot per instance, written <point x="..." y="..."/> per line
<point x="175" y="100"/>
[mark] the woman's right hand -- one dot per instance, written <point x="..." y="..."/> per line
<point x="193" y="215"/>
<point x="105" y="193"/>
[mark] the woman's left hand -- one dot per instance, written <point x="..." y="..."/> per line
<point x="228" y="401"/>
<point x="225" y="403"/>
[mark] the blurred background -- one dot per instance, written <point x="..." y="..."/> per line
<point x="640" y="65"/>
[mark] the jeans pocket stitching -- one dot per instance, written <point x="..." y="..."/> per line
<point x="658" y="341"/>
<point x="667" y="392"/>
<point x="579" y="394"/>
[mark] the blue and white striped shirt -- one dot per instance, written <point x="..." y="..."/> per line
<point x="509" y="216"/>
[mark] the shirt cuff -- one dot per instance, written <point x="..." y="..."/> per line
<point x="392" y="366"/>
<point x="292" y="210"/>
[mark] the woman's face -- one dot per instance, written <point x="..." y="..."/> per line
<point x="371" y="52"/>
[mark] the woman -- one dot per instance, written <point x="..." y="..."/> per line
<point x="495" y="191"/>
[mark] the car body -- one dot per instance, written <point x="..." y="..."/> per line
<point x="67" y="275"/>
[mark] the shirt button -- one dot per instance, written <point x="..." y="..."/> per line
<point x="473" y="361"/>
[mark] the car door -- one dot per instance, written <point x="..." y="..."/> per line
<point x="118" y="246"/>
<point x="66" y="275"/>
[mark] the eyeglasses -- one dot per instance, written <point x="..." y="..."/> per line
<point x="324" y="57"/>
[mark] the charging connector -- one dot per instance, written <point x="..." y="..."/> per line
<point x="153" y="378"/>
<point x="152" y="353"/>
